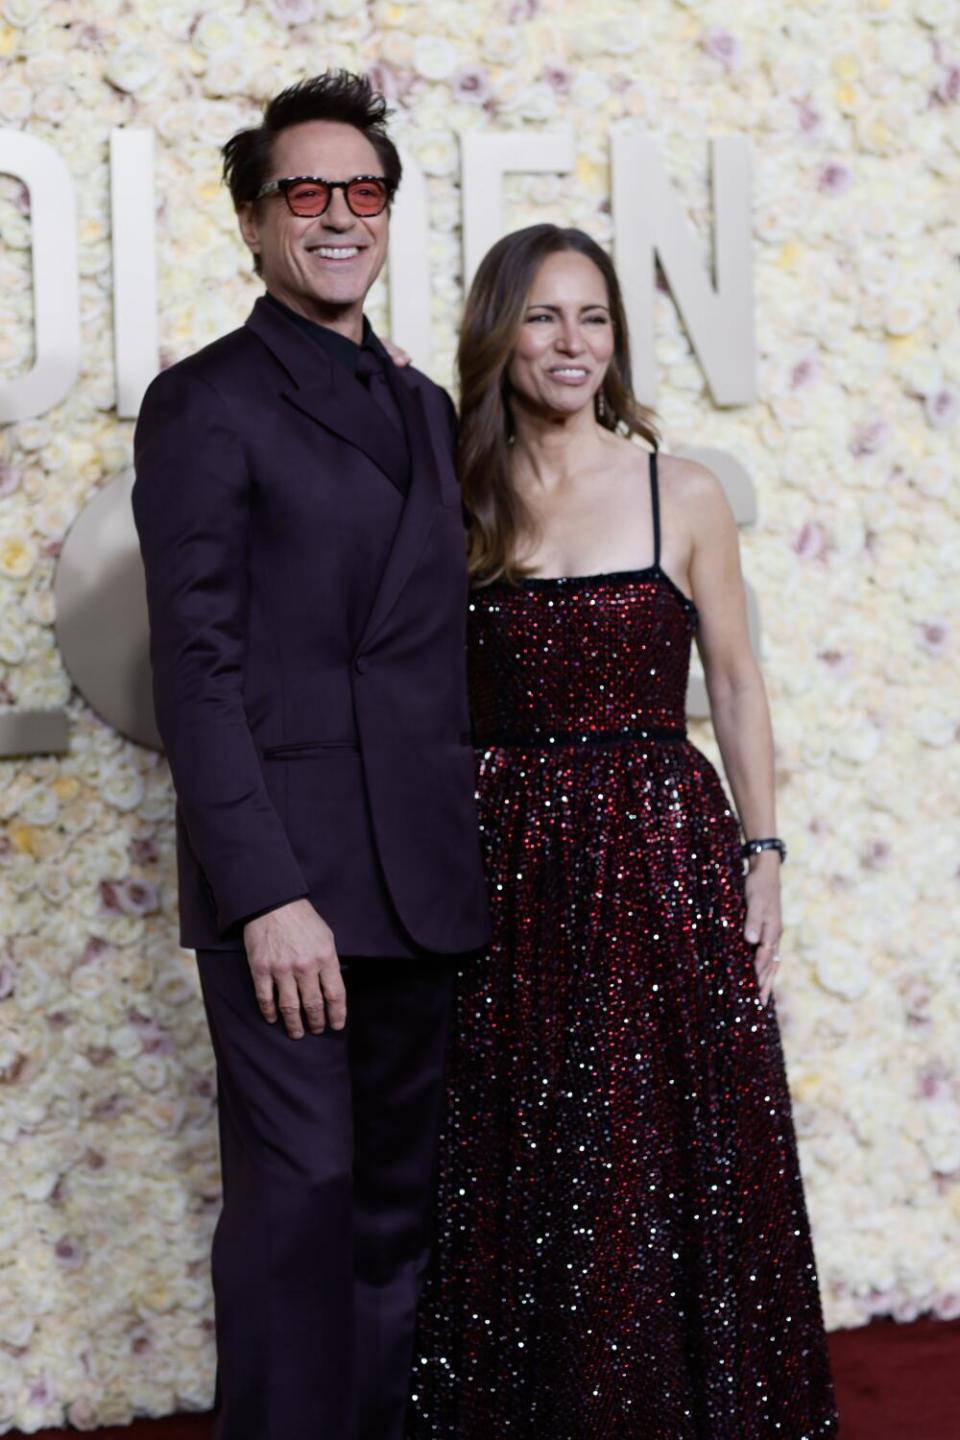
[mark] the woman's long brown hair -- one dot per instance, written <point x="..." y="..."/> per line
<point x="497" y="519"/>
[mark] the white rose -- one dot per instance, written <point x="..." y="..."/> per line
<point x="904" y="314"/>
<point x="21" y="12"/>
<point x="292" y="12"/>
<point x="434" y="57"/>
<point x="40" y="806"/>
<point x="15" y="1329"/>
<point x="16" y="103"/>
<point x="539" y="102"/>
<point x="53" y="103"/>
<point x="121" y="930"/>
<point x="132" y="66"/>
<point x="18" y="556"/>
<point x="843" y="970"/>
<point x="227" y="74"/>
<point x="83" y="1413"/>
<point x="175" y="123"/>
<point x="935" y="13"/>
<point x="165" y="1113"/>
<point x="12" y="641"/>
<point x="503" y="45"/>
<point x="47" y="68"/>
<point x="940" y="1137"/>
<point x="396" y="50"/>
<point x="213" y="34"/>
<point x="935" y="477"/>
<point x="905" y="52"/>
<point x="150" y="1071"/>
<point x="936" y="728"/>
<point x="437" y="152"/>
<point x="922" y="375"/>
<point x="121" y="786"/>
<point x="623" y="34"/>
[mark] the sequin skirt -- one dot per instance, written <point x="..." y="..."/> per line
<point x="622" y="1243"/>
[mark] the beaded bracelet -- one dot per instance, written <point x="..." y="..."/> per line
<point x="756" y="847"/>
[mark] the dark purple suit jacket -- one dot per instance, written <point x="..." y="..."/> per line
<point x="307" y="638"/>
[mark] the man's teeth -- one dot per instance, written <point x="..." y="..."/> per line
<point x="336" y="252"/>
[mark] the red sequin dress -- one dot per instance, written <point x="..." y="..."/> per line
<point x="622" y="1248"/>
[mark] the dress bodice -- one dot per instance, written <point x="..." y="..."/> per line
<point x="586" y="656"/>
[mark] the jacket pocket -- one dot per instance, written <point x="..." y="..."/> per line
<point x="298" y="749"/>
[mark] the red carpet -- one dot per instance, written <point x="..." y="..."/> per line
<point x="898" y="1382"/>
<point x="894" y="1382"/>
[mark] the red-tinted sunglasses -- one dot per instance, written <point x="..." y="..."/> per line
<point x="308" y="196"/>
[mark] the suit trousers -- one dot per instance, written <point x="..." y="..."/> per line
<point x="328" y="1149"/>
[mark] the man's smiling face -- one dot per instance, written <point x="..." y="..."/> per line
<point x="324" y="266"/>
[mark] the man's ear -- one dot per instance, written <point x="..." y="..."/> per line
<point x="248" y="220"/>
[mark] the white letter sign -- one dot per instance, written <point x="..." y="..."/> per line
<point x="135" y="328"/>
<point x="650" y="224"/>
<point x="56" y="289"/>
<point x="485" y="158"/>
<point x="409" y="267"/>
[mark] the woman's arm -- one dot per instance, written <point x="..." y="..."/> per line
<point x="738" y="702"/>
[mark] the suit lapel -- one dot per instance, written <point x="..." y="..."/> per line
<point x="422" y="499"/>
<point x="341" y="404"/>
<point x="328" y="393"/>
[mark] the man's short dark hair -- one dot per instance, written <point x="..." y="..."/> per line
<point x="335" y="95"/>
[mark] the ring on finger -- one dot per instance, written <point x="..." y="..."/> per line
<point x="775" y="958"/>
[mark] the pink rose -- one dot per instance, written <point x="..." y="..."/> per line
<point x="942" y="409"/>
<point x="869" y="437"/>
<point x="810" y="542"/>
<point x="70" y="1253"/>
<point x="804" y="373"/>
<point x="809" y="120"/>
<point x="471" y="85"/>
<point x="9" y="478"/>
<point x="933" y="637"/>
<point x="720" y="45"/>
<point x="835" y="179"/>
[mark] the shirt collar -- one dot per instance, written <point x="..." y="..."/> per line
<point x="338" y="347"/>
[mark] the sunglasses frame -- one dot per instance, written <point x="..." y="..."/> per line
<point x="282" y="187"/>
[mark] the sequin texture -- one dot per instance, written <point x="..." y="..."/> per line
<point x="622" y="1242"/>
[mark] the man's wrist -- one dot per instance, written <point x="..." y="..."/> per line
<point x="269" y="909"/>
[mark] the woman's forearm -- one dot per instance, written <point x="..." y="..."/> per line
<point x="741" y="723"/>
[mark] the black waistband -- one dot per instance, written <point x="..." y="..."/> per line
<point x="557" y="738"/>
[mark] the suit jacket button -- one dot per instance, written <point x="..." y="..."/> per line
<point x="360" y="665"/>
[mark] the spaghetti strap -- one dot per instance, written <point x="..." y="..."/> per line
<point x="655" y="508"/>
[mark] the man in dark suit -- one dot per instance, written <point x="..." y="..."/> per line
<point x="300" y="523"/>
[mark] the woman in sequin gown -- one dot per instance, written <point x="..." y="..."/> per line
<point x="622" y="1249"/>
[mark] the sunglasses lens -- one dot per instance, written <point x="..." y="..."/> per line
<point x="308" y="198"/>
<point x="366" y="197"/>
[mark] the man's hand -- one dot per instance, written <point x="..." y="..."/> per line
<point x="400" y="357"/>
<point x="296" y="969"/>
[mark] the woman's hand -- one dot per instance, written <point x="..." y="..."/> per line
<point x="398" y="355"/>
<point x="763" y="926"/>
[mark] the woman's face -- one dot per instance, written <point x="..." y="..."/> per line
<point x="566" y="336"/>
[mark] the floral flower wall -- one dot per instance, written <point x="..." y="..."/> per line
<point x="107" y="1117"/>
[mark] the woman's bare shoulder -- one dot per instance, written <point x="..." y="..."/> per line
<point x="693" y="500"/>
<point x="689" y="482"/>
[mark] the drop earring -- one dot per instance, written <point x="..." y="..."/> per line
<point x="601" y="406"/>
